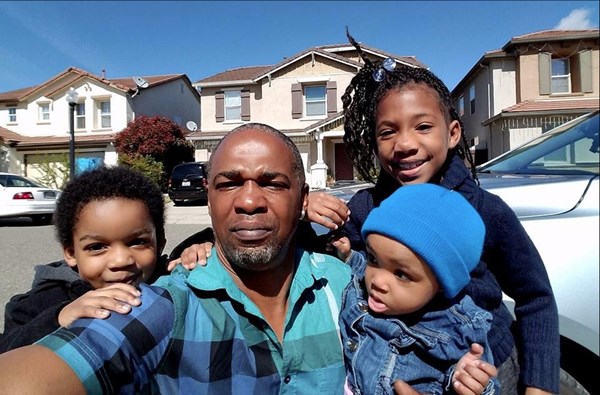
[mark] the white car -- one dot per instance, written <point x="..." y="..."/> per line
<point x="22" y="197"/>
<point x="551" y="182"/>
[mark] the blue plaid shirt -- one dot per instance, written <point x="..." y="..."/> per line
<point x="196" y="332"/>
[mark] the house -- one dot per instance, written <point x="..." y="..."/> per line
<point x="35" y="121"/>
<point x="301" y="96"/>
<point x="536" y="82"/>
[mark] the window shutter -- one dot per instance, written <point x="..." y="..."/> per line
<point x="220" y="106"/>
<point x="585" y="71"/>
<point x="545" y="73"/>
<point x="245" y="105"/>
<point x="331" y="98"/>
<point x="296" y="101"/>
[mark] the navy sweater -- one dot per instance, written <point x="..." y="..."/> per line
<point x="510" y="263"/>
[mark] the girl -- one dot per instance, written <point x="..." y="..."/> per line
<point x="110" y="224"/>
<point x="404" y="118"/>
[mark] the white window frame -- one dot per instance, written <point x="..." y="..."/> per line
<point x="102" y="114"/>
<point x="12" y="115"/>
<point x="556" y="77"/>
<point x="472" y="99"/>
<point x="461" y="105"/>
<point x="79" y="118"/>
<point x="232" y="105"/>
<point x="311" y="101"/>
<point x="44" y="112"/>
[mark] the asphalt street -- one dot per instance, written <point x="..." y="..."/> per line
<point x="24" y="245"/>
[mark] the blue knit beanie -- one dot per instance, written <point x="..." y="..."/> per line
<point x="437" y="224"/>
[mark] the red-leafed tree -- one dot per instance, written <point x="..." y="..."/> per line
<point x="157" y="138"/>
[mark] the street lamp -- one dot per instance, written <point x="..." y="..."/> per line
<point x="72" y="100"/>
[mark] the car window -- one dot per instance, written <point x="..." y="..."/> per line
<point x="573" y="150"/>
<point x="195" y="169"/>
<point x="18" y="182"/>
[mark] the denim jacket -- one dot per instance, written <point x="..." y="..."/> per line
<point x="421" y="348"/>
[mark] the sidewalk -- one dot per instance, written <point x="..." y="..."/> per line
<point x="183" y="215"/>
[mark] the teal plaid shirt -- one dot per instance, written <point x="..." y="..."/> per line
<point x="196" y="332"/>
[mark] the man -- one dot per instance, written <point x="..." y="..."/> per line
<point x="261" y="317"/>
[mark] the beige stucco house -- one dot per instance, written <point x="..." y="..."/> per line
<point x="35" y="121"/>
<point x="300" y="96"/>
<point x="535" y="82"/>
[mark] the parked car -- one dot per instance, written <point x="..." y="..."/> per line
<point x="23" y="197"/>
<point x="188" y="183"/>
<point x="551" y="182"/>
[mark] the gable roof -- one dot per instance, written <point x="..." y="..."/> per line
<point x="553" y="35"/>
<point x="74" y="74"/>
<point x="253" y="74"/>
<point x="540" y="36"/>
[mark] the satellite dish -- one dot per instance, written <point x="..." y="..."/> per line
<point x="191" y="125"/>
<point x="140" y="82"/>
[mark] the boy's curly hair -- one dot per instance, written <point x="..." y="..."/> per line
<point x="360" y="102"/>
<point x="102" y="184"/>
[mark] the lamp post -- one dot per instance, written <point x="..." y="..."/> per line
<point x="72" y="100"/>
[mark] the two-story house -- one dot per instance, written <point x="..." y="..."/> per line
<point x="301" y="96"/>
<point x="35" y="121"/>
<point x="534" y="83"/>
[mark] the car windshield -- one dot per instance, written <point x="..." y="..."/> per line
<point x="569" y="149"/>
<point x="186" y="170"/>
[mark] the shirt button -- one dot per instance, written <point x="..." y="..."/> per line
<point x="351" y="345"/>
<point x="287" y="379"/>
<point x="363" y="307"/>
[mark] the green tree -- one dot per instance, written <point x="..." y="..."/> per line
<point x="156" y="138"/>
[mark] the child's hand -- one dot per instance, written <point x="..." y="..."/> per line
<point x="472" y="374"/>
<point x="342" y="245"/>
<point x="191" y="256"/>
<point x="100" y="302"/>
<point x="327" y="210"/>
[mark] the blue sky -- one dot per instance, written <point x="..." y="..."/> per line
<point x="202" y="38"/>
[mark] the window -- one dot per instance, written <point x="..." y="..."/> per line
<point x="561" y="77"/>
<point x="80" y="116"/>
<point x="104" y="113"/>
<point x="472" y="98"/>
<point x="43" y="112"/>
<point x="561" y="74"/>
<point x="12" y="115"/>
<point x="461" y="106"/>
<point x="233" y="106"/>
<point x="315" y="100"/>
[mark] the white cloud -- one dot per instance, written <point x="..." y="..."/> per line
<point x="578" y="19"/>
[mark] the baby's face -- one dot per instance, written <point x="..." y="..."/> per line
<point x="114" y="242"/>
<point x="398" y="281"/>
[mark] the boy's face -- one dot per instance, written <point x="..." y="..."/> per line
<point x="398" y="281"/>
<point x="114" y="242"/>
<point x="412" y="134"/>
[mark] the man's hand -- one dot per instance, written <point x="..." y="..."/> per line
<point x="100" y="302"/>
<point x="196" y="254"/>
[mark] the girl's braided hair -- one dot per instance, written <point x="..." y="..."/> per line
<point x="360" y="110"/>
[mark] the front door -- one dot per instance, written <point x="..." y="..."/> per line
<point x="343" y="165"/>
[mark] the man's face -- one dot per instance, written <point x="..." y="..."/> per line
<point x="254" y="200"/>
